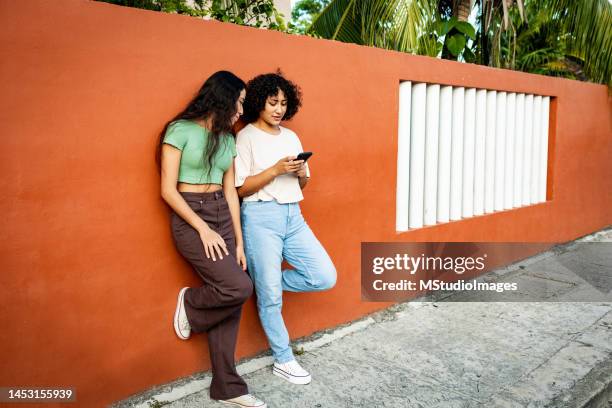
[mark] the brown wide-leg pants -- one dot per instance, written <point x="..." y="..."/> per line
<point x="216" y="306"/>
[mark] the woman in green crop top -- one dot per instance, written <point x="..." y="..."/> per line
<point x="197" y="151"/>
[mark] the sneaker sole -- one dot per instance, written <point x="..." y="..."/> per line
<point x="236" y="404"/>
<point x="180" y="303"/>
<point x="291" y="378"/>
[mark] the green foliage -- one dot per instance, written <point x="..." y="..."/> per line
<point x="571" y="38"/>
<point x="167" y="6"/>
<point x="455" y="44"/>
<point x="466" y="28"/>
<point x="551" y="43"/>
<point x="304" y="12"/>
<point x="155" y="403"/>
<point x="392" y="24"/>
<point x="588" y="25"/>
<point x="255" y="13"/>
<point x="452" y="36"/>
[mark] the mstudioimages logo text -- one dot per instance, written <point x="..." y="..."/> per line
<point x="429" y="285"/>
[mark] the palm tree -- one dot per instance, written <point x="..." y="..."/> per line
<point x="587" y="25"/>
<point x="540" y="46"/>
<point x="393" y="24"/>
<point x="582" y="30"/>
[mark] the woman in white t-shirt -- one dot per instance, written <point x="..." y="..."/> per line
<point x="270" y="182"/>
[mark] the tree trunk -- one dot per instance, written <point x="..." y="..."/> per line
<point x="462" y="9"/>
<point x="484" y="37"/>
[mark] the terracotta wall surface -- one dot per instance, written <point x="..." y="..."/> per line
<point x="89" y="271"/>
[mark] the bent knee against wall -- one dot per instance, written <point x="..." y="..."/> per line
<point x="327" y="276"/>
<point x="239" y="291"/>
<point x="245" y="289"/>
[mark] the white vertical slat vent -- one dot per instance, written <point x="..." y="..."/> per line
<point x="464" y="152"/>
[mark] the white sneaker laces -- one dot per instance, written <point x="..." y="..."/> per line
<point x="247" y="399"/>
<point x="183" y="322"/>
<point x="251" y="399"/>
<point x="294" y="368"/>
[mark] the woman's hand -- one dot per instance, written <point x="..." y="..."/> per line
<point x="302" y="171"/>
<point x="240" y="257"/>
<point x="287" y="165"/>
<point x="213" y="243"/>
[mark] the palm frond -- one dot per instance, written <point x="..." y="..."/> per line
<point x="590" y="24"/>
<point x="392" y="24"/>
<point x="337" y="22"/>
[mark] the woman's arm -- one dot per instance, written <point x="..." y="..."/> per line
<point x="232" y="201"/>
<point x="302" y="176"/>
<point x="303" y="173"/>
<point x="303" y="181"/>
<point x="170" y="161"/>
<point x="253" y="184"/>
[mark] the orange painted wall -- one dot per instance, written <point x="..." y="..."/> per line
<point x="89" y="271"/>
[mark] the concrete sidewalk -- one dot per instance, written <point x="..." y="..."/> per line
<point x="454" y="354"/>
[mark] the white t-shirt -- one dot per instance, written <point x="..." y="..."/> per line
<point x="257" y="151"/>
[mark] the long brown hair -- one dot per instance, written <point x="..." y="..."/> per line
<point x="216" y="100"/>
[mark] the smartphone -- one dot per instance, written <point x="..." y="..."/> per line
<point x="303" y="156"/>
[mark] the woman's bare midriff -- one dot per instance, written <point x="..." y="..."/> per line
<point x="198" y="188"/>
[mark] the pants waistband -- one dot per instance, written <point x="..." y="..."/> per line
<point x="273" y="201"/>
<point x="256" y="208"/>
<point x="210" y="196"/>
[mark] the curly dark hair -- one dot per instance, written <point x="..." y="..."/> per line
<point x="263" y="86"/>
<point x="216" y="100"/>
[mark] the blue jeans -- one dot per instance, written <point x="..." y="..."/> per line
<point x="274" y="231"/>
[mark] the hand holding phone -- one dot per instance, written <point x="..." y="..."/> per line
<point x="286" y="165"/>
<point x="303" y="156"/>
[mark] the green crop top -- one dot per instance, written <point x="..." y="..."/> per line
<point x="191" y="139"/>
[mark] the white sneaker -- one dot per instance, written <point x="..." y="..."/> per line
<point x="291" y="371"/>
<point x="246" y="400"/>
<point x="181" y="324"/>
